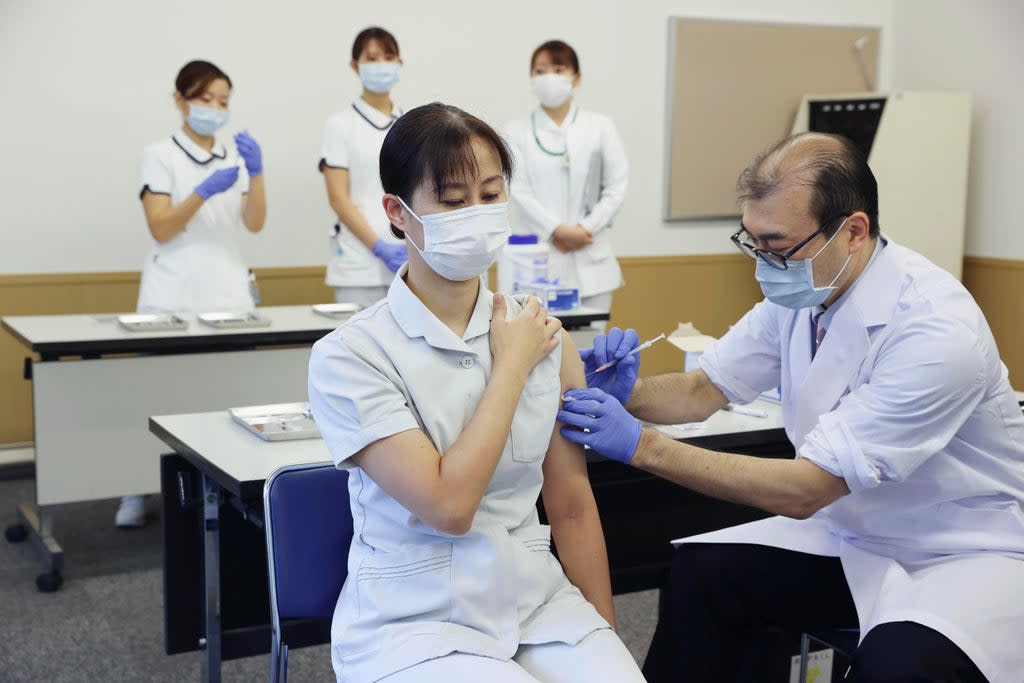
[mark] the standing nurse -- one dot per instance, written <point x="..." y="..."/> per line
<point x="198" y="194"/>
<point x="571" y="176"/>
<point x="364" y="255"/>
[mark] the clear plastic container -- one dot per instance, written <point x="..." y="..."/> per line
<point x="523" y="260"/>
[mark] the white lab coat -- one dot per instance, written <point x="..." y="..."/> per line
<point x="201" y="268"/>
<point x="352" y="141"/>
<point x="907" y="400"/>
<point x="414" y="593"/>
<point x="585" y="186"/>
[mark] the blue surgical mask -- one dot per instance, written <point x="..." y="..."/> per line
<point x="379" y="77"/>
<point x="794" y="287"/>
<point x="206" y="120"/>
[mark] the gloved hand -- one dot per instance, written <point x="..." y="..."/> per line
<point x="393" y="255"/>
<point x="250" y="152"/>
<point x="619" y="379"/>
<point x="217" y="182"/>
<point x="612" y="431"/>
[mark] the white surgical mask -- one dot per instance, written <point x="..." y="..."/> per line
<point x="552" y="89"/>
<point x="206" y="120"/>
<point x="794" y="287"/>
<point x="379" y="77"/>
<point x="462" y="244"/>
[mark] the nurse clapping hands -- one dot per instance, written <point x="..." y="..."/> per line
<point x="198" y="200"/>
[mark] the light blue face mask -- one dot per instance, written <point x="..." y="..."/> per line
<point x="794" y="287"/>
<point x="379" y="77"/>
<point x="206" y="120"/>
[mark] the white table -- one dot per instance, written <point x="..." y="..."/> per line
<point x="91" y="403"/>
<point x="218" y="463"/>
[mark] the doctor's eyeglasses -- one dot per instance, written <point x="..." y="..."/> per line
<point x="746" y="244"/>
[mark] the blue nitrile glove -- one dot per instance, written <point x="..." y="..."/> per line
<point x="612" y="431"/>
<point x="617" y="380"/>
<point x="251" y="154"/>
<point x="217" y="182"/>
<point x="393" y="255"/>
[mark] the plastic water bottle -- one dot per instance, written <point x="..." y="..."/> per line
<point x="523" y="260"/>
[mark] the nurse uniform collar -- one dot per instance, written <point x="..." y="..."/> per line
<point x="536" y="138"/>
<point x="195" y="152"/>
<point x="374" y="117"/>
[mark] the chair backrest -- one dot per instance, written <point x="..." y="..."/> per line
<point x="308" y="525"/>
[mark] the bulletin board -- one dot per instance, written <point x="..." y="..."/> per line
<point x="734" y="89"/>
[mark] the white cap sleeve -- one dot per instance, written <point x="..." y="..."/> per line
<point x="355" y="397"/>
<point x="335" y="150"/>
<point x="155" y="173"/>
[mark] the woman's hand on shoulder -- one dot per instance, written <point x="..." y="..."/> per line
<point x="523" y="342"/>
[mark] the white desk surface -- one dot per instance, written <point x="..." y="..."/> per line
<point x="244" y="459"/>
<point x="103" y="327"/>
<point x="44" y="329"/>
<point x="728" y="422"/>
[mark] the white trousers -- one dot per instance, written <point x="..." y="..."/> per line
<point x="364" y="296"/>
<point x="601" y="656"/>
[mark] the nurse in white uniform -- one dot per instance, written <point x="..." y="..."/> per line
<point x="363" y="255"/>
<point x="441" y="398"/>
<point x="570" y="179"/>
<point x="903" y="512"/>
<point x="200" y="195"/>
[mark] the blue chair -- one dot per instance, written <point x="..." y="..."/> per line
<point x="308" y="524"/>
<point x="842" y="640"/>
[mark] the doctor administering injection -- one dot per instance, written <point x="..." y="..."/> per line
<point x="902" y="511"/>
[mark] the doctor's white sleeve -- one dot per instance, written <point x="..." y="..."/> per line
<point x="533" y="216"/>
<point x="748" y="359"/>
<point x="614" y="179"/>
<point x="921" y="391"/>
<point x="335" y="151"/>
<point x="154" y="173"/>
<point x="352" y="399"/>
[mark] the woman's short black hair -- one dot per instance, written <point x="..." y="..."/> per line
<point x="432" y="144"/>
<point x="559" y="52"/>
<point x="196" y="76"/>
<point x="387" y="41"/>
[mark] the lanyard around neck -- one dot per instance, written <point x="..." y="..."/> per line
<point x="536" y="138"/>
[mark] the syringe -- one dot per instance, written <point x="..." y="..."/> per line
<point x="638" y="349"/>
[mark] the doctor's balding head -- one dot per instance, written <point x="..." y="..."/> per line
<point x="829" y="172"/>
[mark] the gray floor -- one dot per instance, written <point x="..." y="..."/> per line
<point x="106" y="624"/>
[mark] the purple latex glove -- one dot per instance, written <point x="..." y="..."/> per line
<point x="611" y="430"/>
<point x="617" y="380"/>
<point x="393" y="255"/>
<point x="217" y="182"/>
<point x="251" y="154"/>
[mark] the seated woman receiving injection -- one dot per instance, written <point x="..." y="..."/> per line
<point x="442" y="399"/>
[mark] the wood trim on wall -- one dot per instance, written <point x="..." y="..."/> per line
<point x="712" y="291"/>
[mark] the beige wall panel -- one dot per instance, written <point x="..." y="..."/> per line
<point x="998" y="287"/>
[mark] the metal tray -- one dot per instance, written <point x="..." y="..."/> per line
<point x="337" y="311"/>
<point x="233" y="319"/>
<point x="151" y="322"/>
<point x="278" y="422"/>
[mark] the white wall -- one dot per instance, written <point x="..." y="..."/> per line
<point x="977" y="47"/>
<point x="87" y="85"/>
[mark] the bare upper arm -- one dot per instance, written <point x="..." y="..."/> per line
<point x="566" y="483"/>
<point x="337" y="181"/>
<point x="154" y="204"/>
